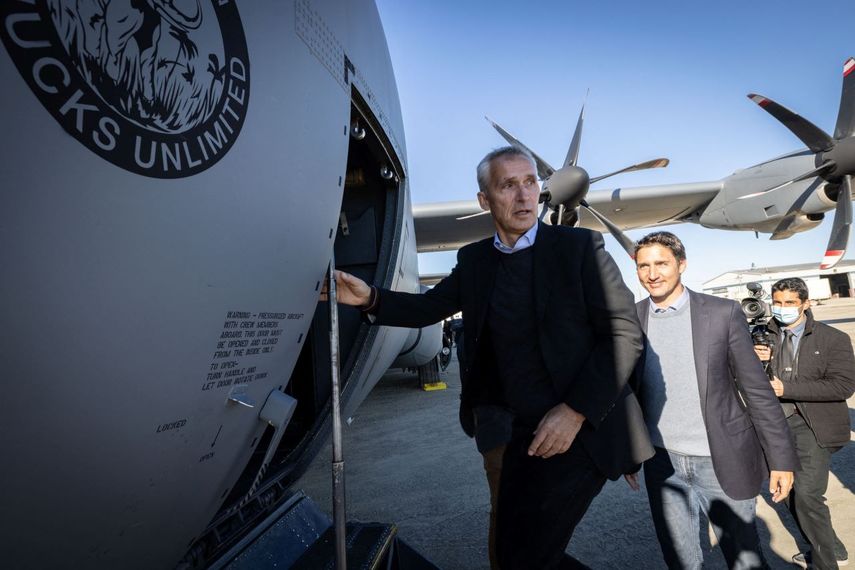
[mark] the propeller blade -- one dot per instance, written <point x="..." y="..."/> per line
<point x="626" y="243"/>
<point x="812" y="136"/>
<point x="559" y="215"/>
<point x="784" y="228"/>
<point x="573" y="152"/>
<point x="845" y="126"/>
<point x="484" y="213"/>
<point x="544" y="171"/>
<point x="842" y="224"/>
<point x="655" y="163"/>
<point x="825" y="166"/>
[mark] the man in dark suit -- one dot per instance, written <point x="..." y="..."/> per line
<point x="712" y="416"/>
<point x="551" y="342"/>
<point x="813" y="373"/>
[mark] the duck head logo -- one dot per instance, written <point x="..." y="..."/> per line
<point x="157" y="87"/>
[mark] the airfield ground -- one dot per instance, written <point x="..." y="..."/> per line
<point x="408" y="462"/>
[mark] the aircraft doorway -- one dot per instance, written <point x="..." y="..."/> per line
<point x="839" y="285"/>
<point x="364" y="247"/>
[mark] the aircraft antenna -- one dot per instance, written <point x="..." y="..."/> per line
<point x="339" y="516"/>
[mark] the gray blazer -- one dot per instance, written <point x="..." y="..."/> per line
<point x="747" y="431"/>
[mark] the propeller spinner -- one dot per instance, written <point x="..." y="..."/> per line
<point x="835" y="160"/>
<point x="565" y="189"/>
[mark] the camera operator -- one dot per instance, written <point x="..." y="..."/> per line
<point x="812" y="372"/>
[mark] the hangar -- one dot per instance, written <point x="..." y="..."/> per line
<point x="838" y="281"/>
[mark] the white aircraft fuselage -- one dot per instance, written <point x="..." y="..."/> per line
<point x="176" y="178"/>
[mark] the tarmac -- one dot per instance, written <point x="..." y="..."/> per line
<point x="408" y="462"/>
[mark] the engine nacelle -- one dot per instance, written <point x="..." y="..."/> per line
<point x="421" y="347"/>
<point x="763" y="211"/>
<point x="802" y="223"/>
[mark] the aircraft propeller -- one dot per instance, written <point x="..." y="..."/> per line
<point x="564" y="190"/>
<point x="835" y="163"/>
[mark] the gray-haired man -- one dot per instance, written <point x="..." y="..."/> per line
<point x="551" y="342"/>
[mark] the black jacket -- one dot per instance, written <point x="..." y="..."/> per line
<point x="823" y="378"/>
<point x="587" y="330"/>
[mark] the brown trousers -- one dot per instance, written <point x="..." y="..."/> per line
<point x="493" y="469"/>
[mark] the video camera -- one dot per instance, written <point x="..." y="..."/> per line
<point x="758" y="313"/>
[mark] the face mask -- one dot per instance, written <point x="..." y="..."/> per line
<point x="786" y="315"/>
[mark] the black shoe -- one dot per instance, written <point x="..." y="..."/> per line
<point x="803" y="560"/>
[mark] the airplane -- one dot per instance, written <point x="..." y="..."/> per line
<point x="782" y="196"/>
<point x="177" y="176"/>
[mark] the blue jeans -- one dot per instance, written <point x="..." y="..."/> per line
<point x="678" y="487"/>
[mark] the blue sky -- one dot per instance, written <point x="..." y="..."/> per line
<point x="665" y="78"/>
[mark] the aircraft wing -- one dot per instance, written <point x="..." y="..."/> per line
<point x="648" y="206"/>
<point x="431" y="279"/>
<point x="438" y="229"/>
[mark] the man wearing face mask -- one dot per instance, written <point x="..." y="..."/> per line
<point x="813" y="373"/>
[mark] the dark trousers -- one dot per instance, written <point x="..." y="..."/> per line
<point x="540" y="503"/>
<point x="807" y="499"/>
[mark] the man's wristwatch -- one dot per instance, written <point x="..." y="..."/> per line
<point x="372" y="301"/>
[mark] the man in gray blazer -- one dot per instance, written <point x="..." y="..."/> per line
<point x="713" y="418"/>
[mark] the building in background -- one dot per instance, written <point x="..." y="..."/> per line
<point x="822" y="283"/>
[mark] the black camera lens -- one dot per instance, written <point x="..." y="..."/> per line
<point x="752" y="308"/>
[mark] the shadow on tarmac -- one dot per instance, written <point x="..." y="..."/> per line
<point x="845" y="456"/>
<point x="788" y="523"/>
<point x="408" y="462"/>
<point x="772" y="557"/>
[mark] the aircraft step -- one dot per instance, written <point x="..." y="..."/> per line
<point x="300" y="535"/>
<point x="370" y="546"/>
